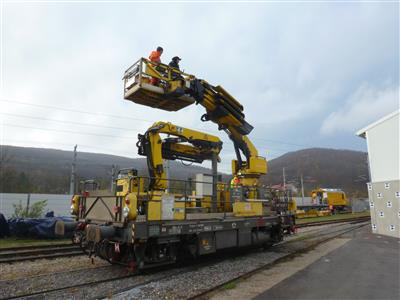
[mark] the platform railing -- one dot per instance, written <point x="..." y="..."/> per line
<point x="183" y="192"/>
<point x="144" y="68"/>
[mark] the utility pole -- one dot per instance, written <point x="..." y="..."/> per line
<point x="28" y="201"/>
<point x="302" y="188"/>
<point x="73" y="173"/>
<point x="167" y="172"/>
<point x="112" y="178"/>
<point x="284" y="179"/>
<point x="214" y="169"/>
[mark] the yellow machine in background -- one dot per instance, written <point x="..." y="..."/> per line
<point x="324" y="202"/>
<point x="335" y="199"/>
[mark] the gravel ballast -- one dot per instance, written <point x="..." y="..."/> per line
<point x="173" y="282"/>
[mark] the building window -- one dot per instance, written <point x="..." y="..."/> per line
<point x="373" y="226"/>
<point x="392" y="227"/>
<point x="379" y="195"/>
<point x="387" y="185"/>
<point x="381" y="214"/>
<point x="389" y="204"/>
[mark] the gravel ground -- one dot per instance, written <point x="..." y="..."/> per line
<point x="40" y="275"/>
<point x="200" y="280"/>
<point x="38" y="283"/>
<point x="46" y="266"/>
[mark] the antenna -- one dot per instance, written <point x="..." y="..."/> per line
<point x="73" y="173"/>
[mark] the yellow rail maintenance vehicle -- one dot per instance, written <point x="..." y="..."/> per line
<point x="334" y="199"/>
<point x="152" y="220"/>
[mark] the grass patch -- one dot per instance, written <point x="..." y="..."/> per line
<point x="230" y="285"/>
<point x="22" y="242"/>
<point x="333" y="217"/>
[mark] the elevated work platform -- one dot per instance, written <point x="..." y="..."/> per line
<point x="149" y="84"/>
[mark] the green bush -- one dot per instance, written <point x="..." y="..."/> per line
<point x="34" y="211"/>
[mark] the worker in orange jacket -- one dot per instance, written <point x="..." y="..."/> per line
<point x="155" y="56"/>
<point x="235" y="181"/>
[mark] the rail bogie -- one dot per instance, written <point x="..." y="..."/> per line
<point x="146" y="244"/>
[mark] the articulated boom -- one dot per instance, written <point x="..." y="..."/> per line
<point x="177" y="90"/>
<point x="182" y="143"/>
<point x="153" y="221"/>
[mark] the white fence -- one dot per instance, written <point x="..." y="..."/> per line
<point x="59" y="204"/>
<point x="300" y="201"/>
<point x="359" y="204"/>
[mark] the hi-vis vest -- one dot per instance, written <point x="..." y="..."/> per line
<point x="235" y="181"/>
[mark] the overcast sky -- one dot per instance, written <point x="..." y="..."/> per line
<point x="307" y="74"/>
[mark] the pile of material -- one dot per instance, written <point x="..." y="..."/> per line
<point x="4" y="229"/>
<point x="29" y="227"/>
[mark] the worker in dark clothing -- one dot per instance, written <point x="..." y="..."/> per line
<point x="175" y="64"/>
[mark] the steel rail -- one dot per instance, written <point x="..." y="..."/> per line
<point x="179" y="270"/>
<point x="10" y="255"/>
<point x="320" y="223"/>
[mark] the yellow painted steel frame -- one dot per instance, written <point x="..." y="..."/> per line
<point x="247" y="209"/>
<point x="189" y="135"/>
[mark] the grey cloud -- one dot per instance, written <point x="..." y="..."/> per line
<point x="286" y="63"/>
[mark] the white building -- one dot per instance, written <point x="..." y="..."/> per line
<point x="383" y="144"/>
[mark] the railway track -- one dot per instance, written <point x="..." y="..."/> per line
<point x="205" y="293"/>
<point x="153" y="275"/>
<point x="15" y="254"/>
<point x="320" y="223"/>
<point x="108" y="278"/>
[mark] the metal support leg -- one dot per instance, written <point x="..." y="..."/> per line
<point x="214" y="168"/>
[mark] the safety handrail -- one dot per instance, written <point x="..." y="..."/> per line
<point x="140" y="67"/>
<point x="269" y="197"/>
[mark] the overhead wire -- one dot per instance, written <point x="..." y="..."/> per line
<point x="125" y="117"/>
<point x="226" y="145"/>
<point x="66" y="122"/>
<point x="58" y="144"/>
<point x="74" y="123"/>
<point x="74" y="110"/>
<point x="68" y="131"/>
<point x="227" y="142"/>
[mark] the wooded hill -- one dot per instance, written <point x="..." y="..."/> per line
<point x="38" y="170"/>
<point x="327" y="168"/>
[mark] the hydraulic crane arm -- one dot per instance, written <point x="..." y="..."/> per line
<point x="227" y="113"/>
<point x="182" y="143"/>
<point x="176" y="92"/>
